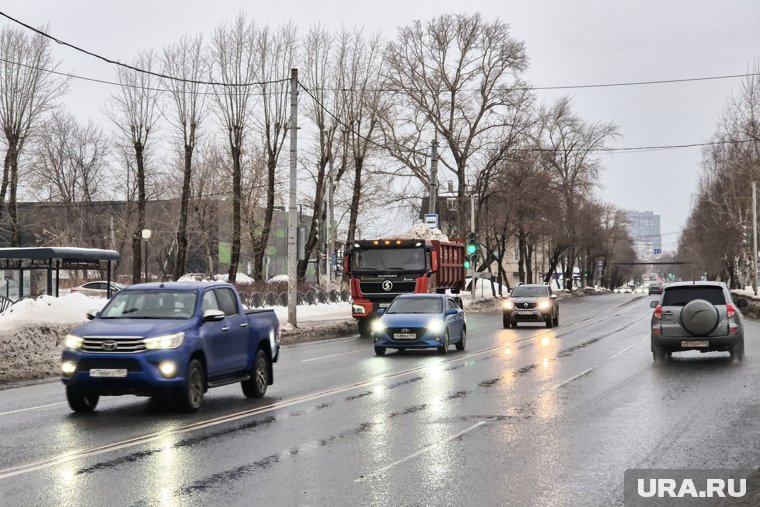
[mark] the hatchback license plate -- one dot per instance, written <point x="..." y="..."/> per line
<point x="108" y="373"/>
<point x="695" y="343"/>
<point x="404" y="336"/>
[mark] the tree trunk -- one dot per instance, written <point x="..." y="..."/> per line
<point x="354" y="210"/>
<point x="12" y="208"/>
<point x="237" y="189"/>
<point x="179" y="269"/>
<point x="261" y="247"/>
<point x="521" y="257"/>
<point x="6" y="174"/>
<point x="313" y="237"/>
<point x="569" y="267"/>
<point x="137" y="235"/>
<point x="529" y="261"/>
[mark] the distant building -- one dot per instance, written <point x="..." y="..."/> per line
<point x="644" y="228"/>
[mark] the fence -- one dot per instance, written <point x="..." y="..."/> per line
<point x="309" y="297"/>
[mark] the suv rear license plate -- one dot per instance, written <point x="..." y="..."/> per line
<point x="108" y="373"/>
<point x="404" y="336"/>
<point x="695" y="343"/>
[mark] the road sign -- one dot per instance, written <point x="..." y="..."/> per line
<point x="431" y="220"/>
<point x="657" y="251"/>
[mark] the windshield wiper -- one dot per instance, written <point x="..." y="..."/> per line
<point x="131" y="310"/>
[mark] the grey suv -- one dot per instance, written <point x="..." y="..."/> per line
<point x="531" y="303"/>
<point x="697" y="316"/>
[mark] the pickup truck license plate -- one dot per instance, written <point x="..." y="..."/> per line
<point x="108" y="373"/>
<point x="695" y="343"/>
<point x="404" y="336"/>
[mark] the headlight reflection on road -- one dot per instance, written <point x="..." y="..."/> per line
<point x="545" y="341"/>
<point x="167" y="474"/>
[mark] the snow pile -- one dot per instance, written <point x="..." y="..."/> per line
<point x="194" y="277"/>
<point x="279" y="279"/>
<point x="240" y="279"/>
<point x="69" y="309"/>
<point x="311" y="314"/>
<point x="422" y="231"/>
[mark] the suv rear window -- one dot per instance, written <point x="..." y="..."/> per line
<point x="680" y="296"/>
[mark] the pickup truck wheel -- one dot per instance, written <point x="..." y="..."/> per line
<point x="191" y="396"/>
<point x="80" y="401"/>
<point x="256" y="386"/>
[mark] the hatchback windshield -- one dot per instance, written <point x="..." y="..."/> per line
<point x="529" y="292"/>
<point x="415" y="305"/>
<point x="138" y="304"/>
<point x="680" y="296"/>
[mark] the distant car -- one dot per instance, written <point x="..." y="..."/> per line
<point x="624" y="290"/>
<point x="697" y="316"/>
<point x="531" y="303"/>
<point x="655" y="288"/>
<point x="420" y="321"/>
<point x="97" y="289"/>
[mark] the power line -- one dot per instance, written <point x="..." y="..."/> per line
<point x="130" y="67"/>
<point x="106" y="82"/>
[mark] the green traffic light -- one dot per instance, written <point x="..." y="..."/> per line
<point x="471" y="249"/>
<point x="467" y="264"/>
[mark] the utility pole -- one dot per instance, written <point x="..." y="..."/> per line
<point x="329" y="216"/>
<point x="754" y="236"/>
<point x="292" y="213"/>
<point x="433" y="177"/>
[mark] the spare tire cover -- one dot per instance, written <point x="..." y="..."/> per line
<point x="699" y="317"/>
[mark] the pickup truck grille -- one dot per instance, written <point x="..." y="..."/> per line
<point x="112" y="344"/>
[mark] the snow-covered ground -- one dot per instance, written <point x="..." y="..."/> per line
<point x="70" y="309"/>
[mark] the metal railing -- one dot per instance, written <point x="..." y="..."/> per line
<point x="309" y="297"/>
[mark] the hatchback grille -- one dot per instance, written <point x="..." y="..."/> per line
<point x="113" y="344"/>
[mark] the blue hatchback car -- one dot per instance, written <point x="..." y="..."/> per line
<point x="420" y="321"/>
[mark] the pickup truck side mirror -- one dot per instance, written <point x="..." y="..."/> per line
<point x="92" y="314"/>
<point x="213" y="315"/>
<point x="653" y="304"/>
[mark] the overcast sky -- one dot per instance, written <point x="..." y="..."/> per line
<point x="568" y="41"/>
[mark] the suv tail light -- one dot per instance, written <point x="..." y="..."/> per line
<point x="658" y="312"/>
<point x="730" y="310"/>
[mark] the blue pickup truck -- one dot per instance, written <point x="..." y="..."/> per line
<point x="172" y="340"/>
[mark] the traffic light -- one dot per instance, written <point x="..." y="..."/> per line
<point x="471" y="250"/>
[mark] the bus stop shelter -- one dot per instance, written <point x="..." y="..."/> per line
<point x="50" y="261"/>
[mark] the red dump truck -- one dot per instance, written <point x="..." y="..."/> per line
<point x="382" y="269"/>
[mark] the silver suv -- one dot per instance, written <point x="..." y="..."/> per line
<point x="531" y="303"/>
<point x="697" y="316"/>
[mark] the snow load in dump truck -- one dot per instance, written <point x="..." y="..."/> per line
<point x="381" y="269"/>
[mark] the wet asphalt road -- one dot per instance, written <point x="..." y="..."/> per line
<point x="527" y="416"/>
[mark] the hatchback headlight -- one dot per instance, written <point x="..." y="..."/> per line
<point x="171" y="341"/>
<point x="378" y="326"/>
<point x="544" y="305"/>
<point x="435" y="326"/>
<point x="73" y="342"/>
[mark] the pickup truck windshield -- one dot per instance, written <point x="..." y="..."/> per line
<point x="150" y="304"/>
<point x="388" y="259"/>
<point x="415" y="305"/>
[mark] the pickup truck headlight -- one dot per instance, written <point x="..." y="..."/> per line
<point x="73" y="342"/>
<point x="435" y="326"/>
<point x="171" y="341"/>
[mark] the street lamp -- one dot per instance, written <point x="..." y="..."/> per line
<point x="146" y="236"/>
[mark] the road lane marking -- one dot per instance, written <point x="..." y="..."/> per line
<point x="332" y="355"/>
<point x="576" y="377"/>
<point x="32" y="408"/>
<point x="421" y="451"/>
<point x="116" y="446"/>
<point x="629" y="347"/>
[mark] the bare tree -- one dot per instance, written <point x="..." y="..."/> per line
<point x="319" y="74"/>
<point x="276" y="49"/>
<point x="235" y="61"/>
<point x="27" y="91"/>
<point x="461" y="75"/>
<point x="185" y="60"/>
<point x="135" y="115"/>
